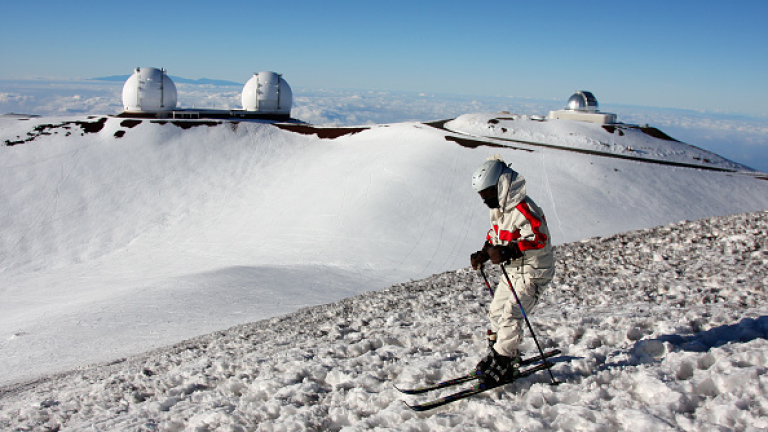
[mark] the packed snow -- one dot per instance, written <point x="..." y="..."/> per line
<point x="661" y="329"/>
<point x="123" y="236"/>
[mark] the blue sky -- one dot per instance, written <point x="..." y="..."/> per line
<point x="703" y="55"/>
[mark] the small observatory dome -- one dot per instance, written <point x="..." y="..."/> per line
<point x="582" y="101"/>
<point x="149" y="90"/>
<point x="267" y="93"/>
<point x="582" y="106"/>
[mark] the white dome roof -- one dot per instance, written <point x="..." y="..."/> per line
<point x="149" y="89"/>
<point x="582" y="101"/>
<point x="267" y="92"/>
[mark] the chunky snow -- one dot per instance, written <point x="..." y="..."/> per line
<point x="120" y="236"/>
<point x="662" y="329"/>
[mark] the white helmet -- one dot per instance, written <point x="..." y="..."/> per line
<point x="487" y="174"/>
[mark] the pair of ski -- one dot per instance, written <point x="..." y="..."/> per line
<point x="477" y="387"/>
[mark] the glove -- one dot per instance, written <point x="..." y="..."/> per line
<point x="478" y="258"/>
<point x="500" y="254"/>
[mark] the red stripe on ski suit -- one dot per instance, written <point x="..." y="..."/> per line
<point x="539" y="238"/>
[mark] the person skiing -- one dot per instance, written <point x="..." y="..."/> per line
<point x="519" y="240"/>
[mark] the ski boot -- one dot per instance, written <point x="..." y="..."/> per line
<point x="497" y="369"/>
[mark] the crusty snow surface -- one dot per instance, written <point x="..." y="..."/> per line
<point x="661" y="329"/>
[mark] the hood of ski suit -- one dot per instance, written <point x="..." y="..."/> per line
<point x="538" y="264"/>
<point x="511" y="189"/>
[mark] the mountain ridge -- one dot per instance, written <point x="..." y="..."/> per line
<point x="176" y="80"/>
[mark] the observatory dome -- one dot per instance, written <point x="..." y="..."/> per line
<point x="149" y="90"/>
<point x="268" y="93"/>
<point x="582" y="101"/>
<point x="582" y="106"/>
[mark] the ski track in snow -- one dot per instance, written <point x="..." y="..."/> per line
<point x="661" y="329"/>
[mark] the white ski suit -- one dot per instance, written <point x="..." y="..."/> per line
<point x="518" y="220"/>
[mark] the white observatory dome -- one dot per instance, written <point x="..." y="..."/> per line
<point x="268" y="93"/>
<point x="149" y="89"/>
<point x="582" y="101"/>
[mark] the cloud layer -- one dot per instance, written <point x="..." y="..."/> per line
<point x="739" y="138"/>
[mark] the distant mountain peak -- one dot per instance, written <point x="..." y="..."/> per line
<point x="177" y="80"/>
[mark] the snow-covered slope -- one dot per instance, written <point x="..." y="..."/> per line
<point x="617" y="140"/>
<point x="662" y="329"/>
<point x="121" y="235"/>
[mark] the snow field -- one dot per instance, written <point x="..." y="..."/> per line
<point x="121" y="236"/>
<point x="662" y="329"/>
<point x="623" y="140"/>
<point x="166" y="233"/>
<point x="114" y="245"/>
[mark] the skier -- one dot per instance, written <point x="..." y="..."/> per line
<point x="519" y="240"/>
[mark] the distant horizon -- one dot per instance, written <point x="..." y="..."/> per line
<point x="740" y="137"/>
<point x="687" y="54"/>
<point x="207" y="81"/>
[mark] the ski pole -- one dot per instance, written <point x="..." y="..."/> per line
<point x="530" y="327"/>
<point x="491" y="335"/>
<point x="485" y="278"/>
